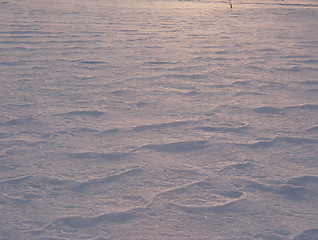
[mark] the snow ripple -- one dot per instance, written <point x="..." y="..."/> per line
<point x="177" y="147"/>
<point x="113" y="217"/>
<point x="309" y="234"/>
<point x="83" y="113"/>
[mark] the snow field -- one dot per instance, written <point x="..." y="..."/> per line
<point x="159" y="120"/>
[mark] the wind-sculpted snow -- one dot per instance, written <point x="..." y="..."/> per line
<point x="159" y="126"/>
<point x="177" y="146"/>
<point x="290" y="192"/>
<point x="202" y="209"/>
<point x="223" y="129"/>
<point x="84" y="113"/>
<point x="158" y="120"/>
<point x="313" y="129"/>
<point x="18" y="121"/>
<point x="95" y="155"/>
<point x="82" y="186"/>
<point x="270" y="110"/>
<point x="279" y="141"/>
<point x="114" y="217"/>
<point x="310" y="234"/>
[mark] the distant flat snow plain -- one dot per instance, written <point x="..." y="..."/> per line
<point x="159" y="120"/>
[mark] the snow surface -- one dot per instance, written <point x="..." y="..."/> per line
<point x="156" y="119"/>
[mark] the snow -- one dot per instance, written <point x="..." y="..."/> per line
<point x="159" y="119"/>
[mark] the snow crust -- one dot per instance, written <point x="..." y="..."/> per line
<point x="156" y="119"/>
